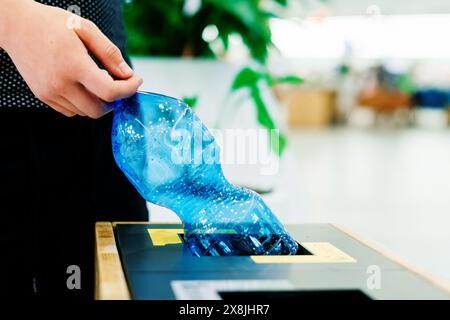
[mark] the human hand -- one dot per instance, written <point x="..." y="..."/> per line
<point x="53" y="59"/>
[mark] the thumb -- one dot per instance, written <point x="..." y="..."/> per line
<point x="103" y="49"/>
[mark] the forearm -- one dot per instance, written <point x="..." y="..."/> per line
<point x="10" y="12"/>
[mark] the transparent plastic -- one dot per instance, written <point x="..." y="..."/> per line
<point x="173" y="161"/>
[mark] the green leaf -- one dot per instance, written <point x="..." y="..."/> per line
<point x="247" y="77"/>
<point x="246" y="18"/>
<point x="190" y="101"/>
<point x="282" y="2"/>
<point x="277" y="140"/>
<point x="263" y="115"/>
<point x="289" y="79"/>
<point x="162" y="28"/>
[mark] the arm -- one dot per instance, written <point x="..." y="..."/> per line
<point x="53" y="58"/>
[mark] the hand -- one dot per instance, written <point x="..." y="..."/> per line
<point x="53" y="59"/>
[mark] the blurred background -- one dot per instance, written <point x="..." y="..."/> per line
<point x="359" y="91"/>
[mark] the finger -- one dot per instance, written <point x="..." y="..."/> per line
<point x="64" y="103"/>
<point x="61" y="109"/>
<point x="102" y="48"/>
<point x="70" y="106"/>
<point x="102" y="85"/>
<point x="86" y="102"/>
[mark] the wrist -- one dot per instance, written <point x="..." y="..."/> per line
<point x="11" y="12"/>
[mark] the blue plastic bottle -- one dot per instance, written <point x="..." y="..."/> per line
<point x="173" y="161"/>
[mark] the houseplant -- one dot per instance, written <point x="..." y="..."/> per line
<point x="177" y="28"/>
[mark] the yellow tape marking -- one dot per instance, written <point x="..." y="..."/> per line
<point x="322" y="252"/>
<point x="162" y="237"/>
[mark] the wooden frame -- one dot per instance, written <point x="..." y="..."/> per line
<point x="110" y="279"/>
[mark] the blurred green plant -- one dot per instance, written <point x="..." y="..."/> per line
<point x="191" y="101"/>
<point x="251" y="79"/>
<point x="176" y="28"/>
<point x="171" y="28"/>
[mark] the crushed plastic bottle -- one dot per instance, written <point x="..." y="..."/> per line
<point x="173" y="161"/>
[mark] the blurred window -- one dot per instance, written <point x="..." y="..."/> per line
<point x="372" y="36"/>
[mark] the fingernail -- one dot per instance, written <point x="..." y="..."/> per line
<point x="125" y="68"/>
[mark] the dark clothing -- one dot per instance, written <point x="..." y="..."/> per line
<point x="57" y="177"/>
